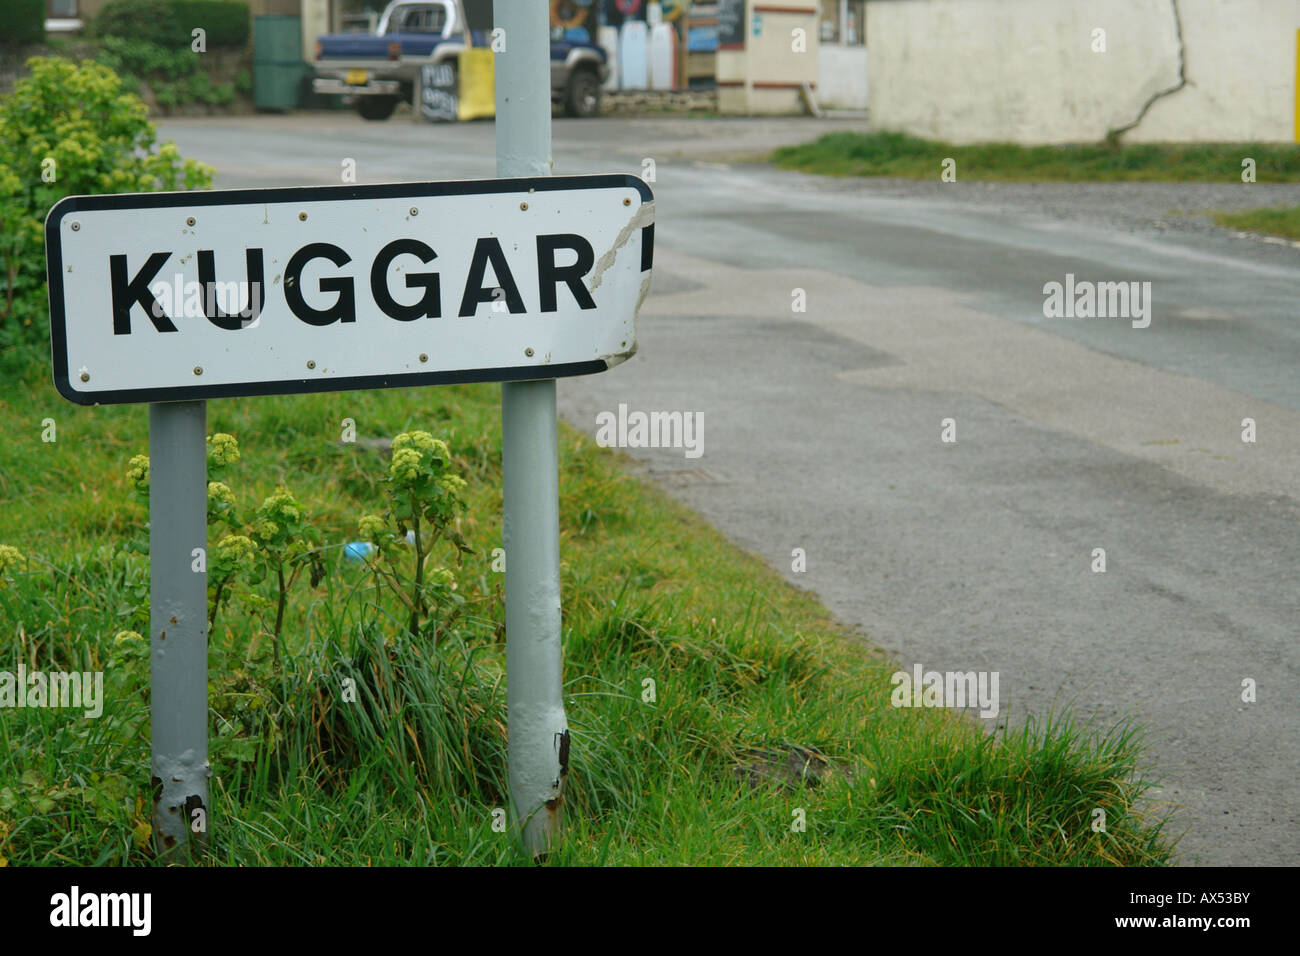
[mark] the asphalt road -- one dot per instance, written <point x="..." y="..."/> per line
<point x="924" y="303"/>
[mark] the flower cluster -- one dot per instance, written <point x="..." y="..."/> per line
<point x="278" y="520"/>
<point x="441" y="577"/>
<point x="375" y="529"/>
<point x="221" y="503"/>
<point x="223" y="450"/>
<point x="405" y="468"/>
<point x="425" y="485"/>
<point x="422" y="442"/>
<point x="235" y="550"/>
<point x="220" y="494"/>
<point x="9" y="557"/>
<point x="452" y="484"/>
<point x="417" y="456"/>
<point x="137" y="472"/>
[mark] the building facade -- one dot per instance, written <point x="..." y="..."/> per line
<point x="1061" y="71"/>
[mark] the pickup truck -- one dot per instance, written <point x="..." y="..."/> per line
<point x="379" y="70"/>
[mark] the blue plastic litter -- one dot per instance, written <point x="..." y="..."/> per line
<point x="358" y="550"/>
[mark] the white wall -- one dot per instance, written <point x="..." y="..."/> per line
<point x="1024" y="70"/>
<point x="316" y="22"/>
<point x="842" y="77"/>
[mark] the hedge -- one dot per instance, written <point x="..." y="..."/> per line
<point x="170" y="23"/>
<point x="227" y="21"/>
<point x="151" y="20"/>
<point x="24" y="21"/>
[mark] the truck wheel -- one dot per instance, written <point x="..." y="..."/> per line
<point x="582" y="98"/>
<point x="376" y="107"/>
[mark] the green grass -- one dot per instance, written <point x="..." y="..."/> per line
<point x="896" y="154"/>
<point x="744" y="665"/>
<point x="1274" y="221"/>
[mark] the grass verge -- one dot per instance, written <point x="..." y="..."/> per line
<point x="900" y="155"/>
<point x="1274" y="221"/>
<point x="763" y="714"/>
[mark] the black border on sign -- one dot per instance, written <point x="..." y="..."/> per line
<point x="288" y="194"/>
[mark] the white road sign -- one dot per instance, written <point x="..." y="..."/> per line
<point x="189" y="295"/>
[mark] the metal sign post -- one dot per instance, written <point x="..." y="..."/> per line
<point x="178" y="620"/>
<point x="537" y="727"/>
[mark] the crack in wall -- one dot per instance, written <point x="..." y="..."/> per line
<point x="1113" y="135"/>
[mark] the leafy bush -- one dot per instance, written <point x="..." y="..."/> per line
<point x="24" y="21"/>
<point x="133" y="60"/>
<point x="200" y="88"/>
<point x="167" y="95"/>
<point x="226" y="21"/>
<point x="68" y="129"/>
<point x="153" y="21"/>
<point x="173" y="75"/>
<point x="170" y="23"/>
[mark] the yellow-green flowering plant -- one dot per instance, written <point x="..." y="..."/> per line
<point x="221" y="505"/>
<point x="287" y="544"/>
<point x="234" y="554"/>
<point x="10" y="557"/>
<point x="278" y="542"/>
<point x="424" y="494"/>
<point x="137" y="473"/>
<point x="127" y="665"/>
<point x="223" y="451"/>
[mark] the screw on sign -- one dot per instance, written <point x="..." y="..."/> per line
<point x="175" y="298"/>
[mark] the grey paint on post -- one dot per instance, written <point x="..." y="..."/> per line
<point x="178" y="496"/>
<point x="538" y="730"/>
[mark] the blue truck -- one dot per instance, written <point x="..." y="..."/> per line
<point x="378" y="70"/>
